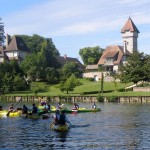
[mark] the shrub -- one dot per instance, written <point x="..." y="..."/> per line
<point x="121" y="90"/>
<point x="90" y="79"/>
<point x="112" y="99"/>
<point x="100" y="98"/>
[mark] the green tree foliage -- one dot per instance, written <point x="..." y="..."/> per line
<point x="2" y="36"/>
<point x="68" y="69"/>
<point x="35" y="43"/>
<point x="91" y="55"/>
<point x="136" y="69"/>
<point x="52" y="75"/>
<point x="11" y="77"/>
<point x="69" y="84"/>
<point x="37" y="87"/>
<point x="36" y="66"/>
<point x="19" y="84"/>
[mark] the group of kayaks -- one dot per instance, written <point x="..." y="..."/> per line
<point x="42" y="112"/>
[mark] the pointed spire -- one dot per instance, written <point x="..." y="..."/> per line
<point x="129" y="26"/>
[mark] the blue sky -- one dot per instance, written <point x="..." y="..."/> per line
<point x="75" y="24"/>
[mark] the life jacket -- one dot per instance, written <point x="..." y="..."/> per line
<point x="56" y="118"/>
<point x="25" y="110"/>
<point x="62" y="120"/>
<point x="35" y="110"/>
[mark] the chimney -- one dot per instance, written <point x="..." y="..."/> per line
<point x="8" y="39"/>
<point x="65" y="56"/>
<point x="125" y="47"/>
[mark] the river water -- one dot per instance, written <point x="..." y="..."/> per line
<point x="117" y="127"/>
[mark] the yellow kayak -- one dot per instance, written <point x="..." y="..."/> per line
<point x="60" y="128"/>
<point x="3" y="113"/>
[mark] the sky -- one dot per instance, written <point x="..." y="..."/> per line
<point x="76" y="24"/>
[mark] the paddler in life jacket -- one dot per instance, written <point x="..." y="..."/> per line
<point x="34" y="109"/>
<point x="56" y="117"/>
<point x="24" y="109"/>
<point x="11" y="109"/>
<point x="1" y="108"/>
<point x="94" y="106"/>
<point x="63" y="119"/>
<point x="75" y="107"/>
<point x="59" y="106"/>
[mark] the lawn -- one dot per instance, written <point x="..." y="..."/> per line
<point x="88" y="88"/>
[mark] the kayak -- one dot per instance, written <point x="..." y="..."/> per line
<point x="31" y="116"/>
<point x="80" y="110"/>
<point x="60" y="128"/>
<point x="42" y="110"/>
<point x="34" y="116"/>
<point x="3" y="113"/>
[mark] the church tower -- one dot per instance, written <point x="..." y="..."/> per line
<point x="129" y="36"/>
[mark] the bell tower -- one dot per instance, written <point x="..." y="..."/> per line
<point x="129" y="36"/>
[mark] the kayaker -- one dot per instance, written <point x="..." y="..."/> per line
<point x="56" y="117"/>
<point x="1" y="108"/>
<point x="24" y="109"/>
<point x="11" y="109"/>
<point x="43" y="103"/>
<point x="59" y="106"/>
<point x="34" y="109"/>
<point x="63" y="119"/>
<point x="94" y="106"/>
<point x="75" y="107"/>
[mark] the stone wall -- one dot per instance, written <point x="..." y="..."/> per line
<point x="141" y="89"/>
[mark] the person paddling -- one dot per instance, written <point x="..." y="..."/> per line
<point x="59" y="106"/>
<point x="75" y="107"/>
<point x="60" y="119"/>
<point x="1" y="108"/>
<point x="25" y="111"/>
<point x="11" y="109"/>
<point x="63" y="119"/>
<point x="34" y="109"/>
<point x="94" y="106"/>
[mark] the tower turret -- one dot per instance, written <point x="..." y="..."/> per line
<point x="129" y="36"/>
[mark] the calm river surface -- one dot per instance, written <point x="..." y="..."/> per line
<point x="116" y="127"/>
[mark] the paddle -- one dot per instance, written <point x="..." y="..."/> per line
<point x="13" y="107"/>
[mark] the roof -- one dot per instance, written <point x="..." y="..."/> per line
<point x="129" y="26"/>
<point x="17" y="43"/>
<point x="90" y="67"/>
<point x="64" y="59"/>
<point x="112" y="51"/>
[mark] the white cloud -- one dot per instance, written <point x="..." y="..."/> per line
<point x="64" y="18"/>
<point x="72" y="17"/>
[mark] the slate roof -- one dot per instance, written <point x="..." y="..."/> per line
<point x="17" y="43"/>
<point x="112" y="51"/>
<point x="64" y="59"/>
<point x="129" y="26"/>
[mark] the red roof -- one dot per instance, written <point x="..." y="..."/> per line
<point x="112" y="51"/>
<point x="129" y="26"/>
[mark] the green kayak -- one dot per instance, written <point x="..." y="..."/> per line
<point x="80" y="110"/>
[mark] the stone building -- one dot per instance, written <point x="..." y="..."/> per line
<point x="115" y="55"/>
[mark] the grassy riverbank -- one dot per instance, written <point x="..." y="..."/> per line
<point x="88" y="88"/>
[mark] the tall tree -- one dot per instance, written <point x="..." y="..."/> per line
<point x="91" y="55"/>
<point x="136" y="68"/>
<point x="2" y="36"/>
<point x="68" y="69"/>
<point x="69" y="84"/>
